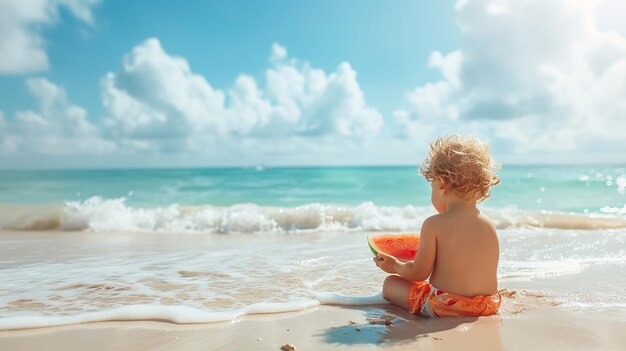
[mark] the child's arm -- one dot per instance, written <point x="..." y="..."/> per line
<point x="422" y="266"/>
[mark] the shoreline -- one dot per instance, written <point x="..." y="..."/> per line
<point x="551" y="304"/>
<point x="342" y="328"/>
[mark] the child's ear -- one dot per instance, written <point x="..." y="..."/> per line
<point x="442" y="186"/>
<point x="441" y="183"/>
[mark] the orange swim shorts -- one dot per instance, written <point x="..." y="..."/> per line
<point x="428" y="301"/>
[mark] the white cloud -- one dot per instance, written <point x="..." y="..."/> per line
<point x="156" y="96"/>
<point x="156" y="105"/>
<point x="311" y="102"/>
<point x="22" y="47"/>
<point x="530" y="75"/>
<point x="58" y="127"/>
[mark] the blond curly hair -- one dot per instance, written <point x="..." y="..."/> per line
<point x="463" y="164"/>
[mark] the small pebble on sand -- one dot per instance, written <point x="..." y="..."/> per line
<point x="258" y="339"/>
<point x="352" y="322"/>
<point x="288" y="347"/>
<point x="384" y="320"/>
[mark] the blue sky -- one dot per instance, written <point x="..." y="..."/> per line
<point x="387" y="44"/>
<point x="218" y="83"/>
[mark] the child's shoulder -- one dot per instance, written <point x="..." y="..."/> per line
<point x="441" y="218"/>
<point x="434" y="222"/>
<point x="484" y="219"/>
<point x="445" y="219"/>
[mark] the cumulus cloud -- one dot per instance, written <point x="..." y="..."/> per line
<point x="22" y="47"/>
<point x="308" y="101"/>
<point x="156" y="95"/>
<point x="57" y="127"/>
<point x="528" y="75"/>
<point x="156" y="104"/>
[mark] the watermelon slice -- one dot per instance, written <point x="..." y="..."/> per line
<point x="403" y="246"/>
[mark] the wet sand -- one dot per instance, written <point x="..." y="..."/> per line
<point x="343" y="328"/>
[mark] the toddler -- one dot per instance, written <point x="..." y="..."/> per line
<point x="455" y="271"/>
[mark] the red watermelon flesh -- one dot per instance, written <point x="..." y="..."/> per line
<point x="403" y="246"/>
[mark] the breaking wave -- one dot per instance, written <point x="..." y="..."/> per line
<point x="98" y="214"/>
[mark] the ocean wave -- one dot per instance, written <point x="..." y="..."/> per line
<point x="514" y="302"/>
<point x="186" y="314"/>
<point x="98" y="214"/>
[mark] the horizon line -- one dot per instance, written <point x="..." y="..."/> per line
<point x="262" y="166"/>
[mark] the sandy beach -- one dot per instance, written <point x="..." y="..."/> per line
<point x="331" y="328"/>
<point x="552" y="311"/>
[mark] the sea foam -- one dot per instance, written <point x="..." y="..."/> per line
<point x="98" y="214"/>
<point x="186" y="314"/>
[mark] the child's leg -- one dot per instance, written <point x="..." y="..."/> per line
<point x="396" y="290"/>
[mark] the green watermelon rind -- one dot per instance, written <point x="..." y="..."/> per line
<point x="369" y="243"/>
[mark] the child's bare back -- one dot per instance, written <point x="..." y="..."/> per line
<point x="455" y="270"/>
<point x="467" y="253"/>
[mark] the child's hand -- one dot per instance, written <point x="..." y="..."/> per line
<point x="386" y="262"/>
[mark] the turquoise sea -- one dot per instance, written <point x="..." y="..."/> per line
<point x="560" y="188"/>
<point x="63" y="198"/>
